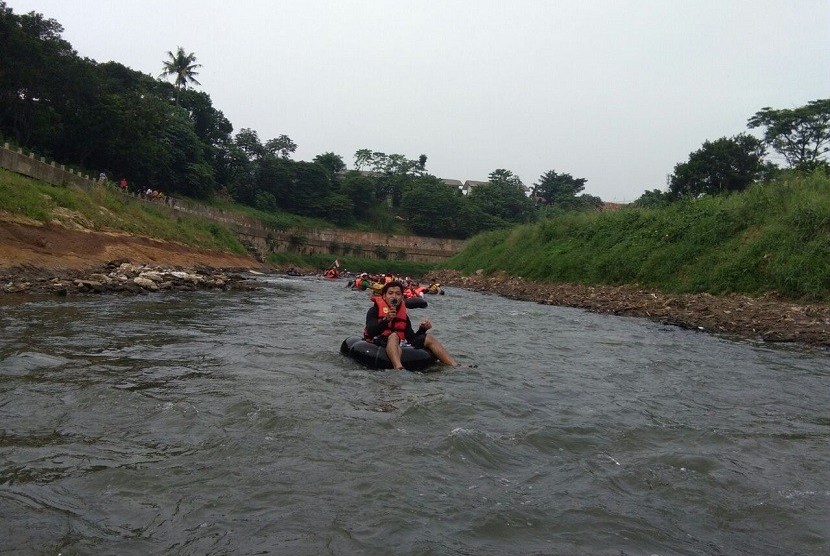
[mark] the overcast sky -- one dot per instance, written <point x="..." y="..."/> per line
<point x="614" y="91"/>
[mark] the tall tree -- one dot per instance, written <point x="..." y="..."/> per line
<point x="653" y="199"/>
<point x="506" y="178"/>
<point x="728" y="164"/>
<point x="362" y="158"/>
<point x="503" y="199"/>
<point x="306" y="189"/>
<point x="432" y="208"/>
<point x="33" y="75"/>
<point x="361" y="192"/>
<point x="333" y="163"/>
<point x="801" y="135"/>
<point x="183" y="67"/>
<point x="247" y="140"/>
<point x="557" y="189"/>
<point x="281" y="146"/>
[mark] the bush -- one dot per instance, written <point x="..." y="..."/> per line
<point x="771" y="237"/>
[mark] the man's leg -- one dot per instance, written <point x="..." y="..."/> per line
<point x="393" y="351"/>
<point x="439" y="351"/>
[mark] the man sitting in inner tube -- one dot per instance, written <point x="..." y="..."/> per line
<point x="361" y="282"/>
<point x="387" y="324"/>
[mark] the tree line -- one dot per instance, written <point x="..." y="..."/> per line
<point x="800" y="136"/>
<point x="169" y="137"/>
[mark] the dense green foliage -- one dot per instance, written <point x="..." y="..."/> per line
<point x="801" y="135"/>
<point x="105" y="116"/>
<point x="728" y="164"/>
<point x="556" y="193"/>
<point x="168" y="137"/>
<point x="769" y="237"/>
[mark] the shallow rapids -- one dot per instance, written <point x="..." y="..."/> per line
<point x="228" y="423"/>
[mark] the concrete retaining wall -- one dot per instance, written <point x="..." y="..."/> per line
<point x="37" y="167"/>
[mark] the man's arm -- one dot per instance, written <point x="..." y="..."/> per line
<point x="411" y="334"/>
<point x="374" y="327"/>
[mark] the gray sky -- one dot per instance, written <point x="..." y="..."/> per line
<point x="614" y="91"/>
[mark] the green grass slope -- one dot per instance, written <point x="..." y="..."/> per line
<point x="106" y="209"/>
<point x="772" y="237"/>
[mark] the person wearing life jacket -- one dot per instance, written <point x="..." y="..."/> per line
<point x="377" y="288"/>
<point x="388" y="325"/>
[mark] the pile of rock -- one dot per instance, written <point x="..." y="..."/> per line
<point x="127" y="278"/>
<point x="766" y="317"/>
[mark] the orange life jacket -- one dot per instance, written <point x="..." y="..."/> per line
<point x="398" y="323"/>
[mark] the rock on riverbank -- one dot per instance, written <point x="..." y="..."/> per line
<point x="766" y="318"/>
<point x="123" y="277"/>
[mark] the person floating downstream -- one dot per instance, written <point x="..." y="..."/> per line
<point x="387" y="324"/>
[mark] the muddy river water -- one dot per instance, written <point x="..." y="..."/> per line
<point x="228" y="423"/>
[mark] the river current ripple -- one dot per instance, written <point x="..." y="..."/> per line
<point x="229" y="423"/>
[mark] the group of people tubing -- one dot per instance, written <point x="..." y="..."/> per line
<point x="376" y="282"/>
<point x="389" y="326"/>
<point x="387" y="323"/>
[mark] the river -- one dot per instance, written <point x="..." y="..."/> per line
<point x="228" y="423"/>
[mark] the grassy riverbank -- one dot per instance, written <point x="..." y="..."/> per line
<point x="773" y="237"/>
<point x="107" y="209"/>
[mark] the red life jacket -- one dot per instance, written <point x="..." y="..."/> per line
<point x="398" y="323"/>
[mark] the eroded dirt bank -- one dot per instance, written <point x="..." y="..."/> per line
<point x="25" y="244"/>
<point x="767" y="318"/>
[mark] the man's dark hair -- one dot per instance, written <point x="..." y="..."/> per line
<point x="392" y="284"/>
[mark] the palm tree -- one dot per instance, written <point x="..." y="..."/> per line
<point x="182" y="66"/>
